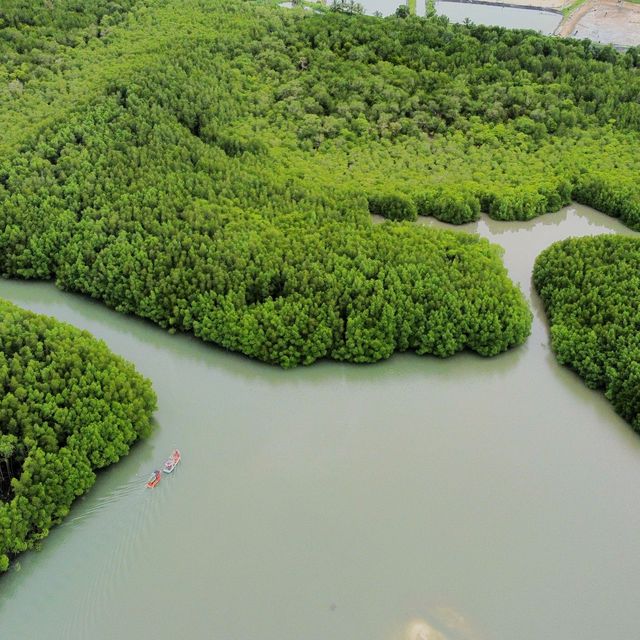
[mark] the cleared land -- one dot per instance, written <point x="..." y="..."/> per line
<point x="605" y="21"/>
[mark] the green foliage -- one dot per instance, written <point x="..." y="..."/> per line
<point x="591" y="291"/>
<point x="198" y="188"/>
<point x="35" y="35"/>
<point x="393" y="206"/>
<point x="568" y="10"/>
<point x="611" y="193"/>
<point x="350" y="7"/>
<point x="223" y="185"/>
<point x="68" y="407"/>
<point x="449" y="204"/>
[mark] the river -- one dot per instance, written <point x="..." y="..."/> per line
<point x="494" y="499"/>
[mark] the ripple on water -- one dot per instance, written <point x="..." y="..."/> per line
<point x="129" y="514"/>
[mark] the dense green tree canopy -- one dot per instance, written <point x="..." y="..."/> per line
<point x="212" y="166"/>
<point x="35" y="35"/>
<point x="591" y="291"/>
<point x="68" y="407"/>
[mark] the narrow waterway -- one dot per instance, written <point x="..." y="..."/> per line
<point x="494" y="499"/>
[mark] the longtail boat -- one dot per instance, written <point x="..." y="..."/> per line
<point x="154" y="478"/>
<point x="170" y="463"/>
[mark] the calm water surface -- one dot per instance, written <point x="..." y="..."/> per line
<point x="494" y="499"/>
<point x="510" y="17"/>
<point x="388" y="7"/>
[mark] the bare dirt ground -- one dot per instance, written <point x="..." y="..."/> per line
<point x="606" y="21"/>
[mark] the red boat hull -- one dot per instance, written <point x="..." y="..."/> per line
<point x="154" y="480"/>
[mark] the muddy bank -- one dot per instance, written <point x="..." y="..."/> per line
<point x="604" y="21"/>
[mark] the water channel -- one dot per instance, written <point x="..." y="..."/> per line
<point x="493" y="15"/>
<point x="511" y="17"/>
<point x="494" y="499"/>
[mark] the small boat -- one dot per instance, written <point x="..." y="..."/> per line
<point x="154" y="478"/>
<point x="170" y="463"/>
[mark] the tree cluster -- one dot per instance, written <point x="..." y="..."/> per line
<point x="221" y="179"/>
<point x="68" y="407"/>
<point x="34" y="36"/>
<point x="137" y="204"/>
<point x="591" y="292"/>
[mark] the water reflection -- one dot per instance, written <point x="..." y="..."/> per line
<point x="445" y="623"/>
<point x="421" y="630"/>
<point x="43" y="297"/>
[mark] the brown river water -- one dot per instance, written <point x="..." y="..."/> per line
<point x="414" y="499"/>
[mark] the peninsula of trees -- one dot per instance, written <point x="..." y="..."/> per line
<point x="591" y="292"/>
<point x="212" y="166"/>
<point x="68" y="407"/>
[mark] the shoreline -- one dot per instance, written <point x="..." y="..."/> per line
<point x="510" y="5"/>
<point x="606" y="22"/>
